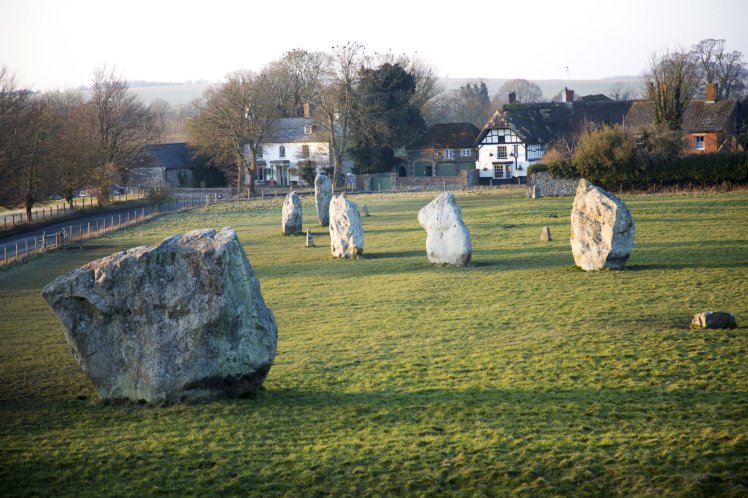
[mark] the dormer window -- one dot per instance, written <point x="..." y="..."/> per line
<point x="307" y="129"/>
<point x="449" y="154"/>
<point x="466" y="152"/>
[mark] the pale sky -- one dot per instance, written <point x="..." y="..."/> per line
<point x="52" y="44"/>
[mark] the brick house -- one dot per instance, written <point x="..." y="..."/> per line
<point x="709" y="125"/>
<point x="445" y="149"/>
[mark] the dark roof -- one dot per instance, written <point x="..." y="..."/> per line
<point x="169" y="156"/>
<point x="446" y="136"/>
<point x="598" y="97"/>
<point x="541" y="122"/>
<point x="292" y="130"/>
<point x="698" y="116"/>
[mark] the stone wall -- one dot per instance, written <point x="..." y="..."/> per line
<point x="465" y="179"/>
<point x="546" y="186"/>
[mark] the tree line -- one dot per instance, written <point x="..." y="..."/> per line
<point x="60" y="141"/>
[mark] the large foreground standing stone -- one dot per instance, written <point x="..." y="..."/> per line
<point x="322" y="197"/>
<point x="292" y="215"/>
<point x="602" y="229"/>
<point x="346" y="230"/>
<point x="447" y="238"/>
<point x="183" y="319"/>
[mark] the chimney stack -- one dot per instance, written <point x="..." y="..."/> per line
<point x="512" y="98"/>
<point x="568" y="95"/>
<point x="307" y="110"/>
<point x="711" y="93"/>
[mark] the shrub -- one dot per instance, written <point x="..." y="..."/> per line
<point x="606" y="156"/>
<point x="536" y="168"/>
<point x="158" y="195"/>
<point x="563" y="168"/>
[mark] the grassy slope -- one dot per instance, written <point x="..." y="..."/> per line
<point x="516" y="376"/>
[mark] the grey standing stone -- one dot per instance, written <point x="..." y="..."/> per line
<point x="309" y="239"/>
<point x="322" y="197"/>
<point x="346" y="230"/>
<point x="602" y="229"/>
<point x="545" y="234"/>
<point x="365" y="210"/>
<point x="292" y="214"/>
<point x="182" y="319"/>
<point x="713" y="320"/>
<point x="448" y="240"/>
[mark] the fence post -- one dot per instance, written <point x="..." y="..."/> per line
<point x="26" y="252"/>
<point x="88" y="230"/>
<point x="111" y="225"/>
<point x="44" y="240"/>
<point x="16" y="251"/>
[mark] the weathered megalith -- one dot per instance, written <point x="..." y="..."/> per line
<point x="180" y="320"/>
<point x="602" y="229"/>
<point x="713" y="320"/>
<point x="322" y="197"/>
<point x="309" y="239"/>
<point x="292" y="215"/>
<point x="346" y="230"/>
<point x="447" y="238"/>
<point x="545" y="234"/>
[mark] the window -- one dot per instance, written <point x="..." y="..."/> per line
<point x="534" y="152"/>
<point x="466" y="152"/>
<point x="307" y="129"/>
<point x="305" y="151"/>
<point x="449" y="154"/>
<point x="698" y="142"/>
<point x="282" y="151"/>
<point x="260" y="174"/>
<point x="259" y="151"/>
<point x="502" y="171"/>
<point x="501" y="152"/>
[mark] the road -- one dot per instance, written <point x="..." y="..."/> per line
<point x="22" y="244"/>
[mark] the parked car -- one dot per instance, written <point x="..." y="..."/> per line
<point x="117" y="190"/>
<point x="56" y="197"/>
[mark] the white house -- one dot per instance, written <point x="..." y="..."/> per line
<point x="517" y="135"/>
<point x="293" y="144"/>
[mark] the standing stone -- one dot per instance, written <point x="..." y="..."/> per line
<point x="292" y="215"/>
<point x="545" y="234"/>
<point x="182" y="319"/>
<point x="309" y="240"/>
<point x="447" y="238"/>
<point x="602" y="229"/>
<point x="365" y="210"/>
<point x="535" y="192"/>
<point x="346" y="231"/>
<point x="322" y="196"/>
<point x="713" y="320"/>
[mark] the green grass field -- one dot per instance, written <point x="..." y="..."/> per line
<point x="517" y="376"/>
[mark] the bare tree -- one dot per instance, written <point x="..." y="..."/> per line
<point x="719" y="66"/>
<point x="468" y="104"/>
<point x="73" y="144"/>
<point x="619" y="91"/>
<point x="239" y="113"/>
<point x="671" y="79"/>
<point x="298" y="75"/>
<point x="124" y="125"/>
<point x="338" y="104"/>
<point x="526" y="92"/>
<point x="24" y="130"/>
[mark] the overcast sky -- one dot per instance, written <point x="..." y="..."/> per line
<point x="53" y="44"/>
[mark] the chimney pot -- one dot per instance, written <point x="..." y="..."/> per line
<point x="512" y="97"/>
<point x="568" y="95"/>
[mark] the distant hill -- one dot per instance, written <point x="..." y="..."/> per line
<point x="183" y="93"/>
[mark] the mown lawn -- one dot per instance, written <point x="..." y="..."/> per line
<point x="517" y="376"/>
